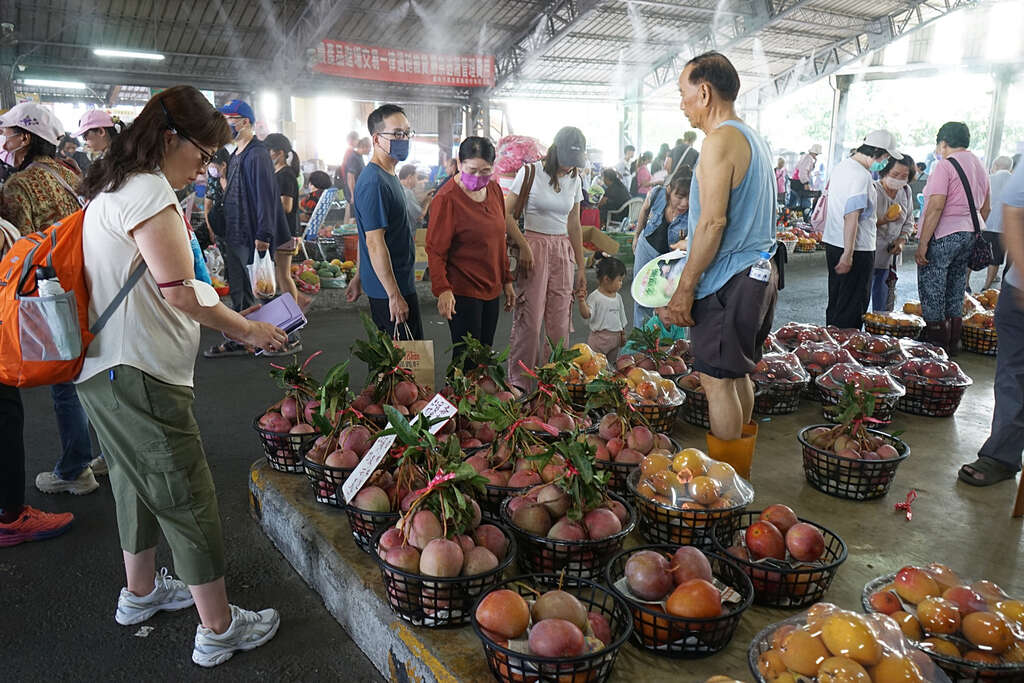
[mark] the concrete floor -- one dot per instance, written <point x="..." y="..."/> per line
<point x="74" y="637"/>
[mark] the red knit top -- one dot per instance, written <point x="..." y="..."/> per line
<point x="466" y="249"/>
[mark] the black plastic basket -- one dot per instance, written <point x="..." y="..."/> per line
<point x="849" y="478"/>
<point x="490" y="502"/>
<point x="658" y="418"/>
<point x="620" y="471"/>
<point x="577" y="394"/>
<point x="671" y="636"/>
<point x="438" y="602"/>
<point x="932" y="400"/>
<point x="326" y="481"/>
<point x="885" y="406"/>
<point x="979" y="340"/>
<point x="367" y="525"/>
<point x="695" y="408"/>
<point x="959" y="669"/>
<point x="661" y="523"/>
<point x="284" y="451"/>
<point x="509" y="666"/>
<point x="779" y="585"/>
<point x="778" y="399"/>
<point x="584" y="559"/>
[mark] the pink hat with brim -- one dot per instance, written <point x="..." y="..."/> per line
<point x="94" y="118"/>
<point x="35" y="119"/>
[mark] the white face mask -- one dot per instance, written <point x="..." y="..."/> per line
<point x="7" y="155"/>
<point x="893" y="183"/>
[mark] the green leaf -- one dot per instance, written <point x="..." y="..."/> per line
<point x="401" y="426"/>
<point x="322" y="424"/>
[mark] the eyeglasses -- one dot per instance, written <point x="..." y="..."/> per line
<point x="206" y="157"/>
<point x="399" y="134"/>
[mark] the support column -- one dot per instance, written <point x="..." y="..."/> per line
<point x="445" y="130"/>
<point x="840" y="103"/>
<point x="8" y="59"/>
<point x="630" y="129"/>
<point x="997" y="114"/>
<point x="479" y="117"/>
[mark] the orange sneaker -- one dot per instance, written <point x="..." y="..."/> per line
<point x="34" y="525"/>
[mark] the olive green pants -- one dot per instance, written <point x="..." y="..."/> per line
<point x="158" y="469"/>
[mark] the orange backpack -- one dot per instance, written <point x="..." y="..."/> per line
<point x="43" y="338"/>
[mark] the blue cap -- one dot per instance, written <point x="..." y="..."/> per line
<point x="238" y="108"/>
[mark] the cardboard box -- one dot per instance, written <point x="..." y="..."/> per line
<point x="597" y="240"/>
<point x="421" y="239"/>
<point x="420" y="264"/>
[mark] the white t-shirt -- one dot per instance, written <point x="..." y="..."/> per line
<point x="607" y="313"/>
<point x="850" y="188"/>
<point x="145" y="331"/>
<point x="548" y="211"/>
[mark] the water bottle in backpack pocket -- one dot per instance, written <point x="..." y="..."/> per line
<point x="48" y="322"/>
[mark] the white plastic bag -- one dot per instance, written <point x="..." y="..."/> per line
<point x="261" y="275"/>
<point x="214" y="261"/>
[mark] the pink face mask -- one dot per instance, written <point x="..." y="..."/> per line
<point x="474" y="182"/>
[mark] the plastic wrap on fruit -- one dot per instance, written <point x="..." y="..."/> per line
<point x="779" y="368"/>
<point x="925" y="372"/>
<point x="587" y="365"/>
<point x="771" y="345"/>
<point x="896" y="319"/>
<point x="971" y="306"/>
<point x="826" y="643"/>
<point x="791" y="335"/>
<point x="875" y="349"/>
<point x="874" y="380"/>
<point x="989" y="298"/>
<point x="516" y="150"/>
<point x="985" y="320"/>
<point x="841" y="335"/>
<point x="817" y="357"/>
<point x="912" y="348"/>
<point x="690" y="480"/>
<point x="650" y="387"/>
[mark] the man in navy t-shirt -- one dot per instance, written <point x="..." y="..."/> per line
<point x="387" y="246"/>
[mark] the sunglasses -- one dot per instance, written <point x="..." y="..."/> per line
<point x="206" y="157"/>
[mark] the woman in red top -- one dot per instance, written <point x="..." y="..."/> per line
<point x="466" y="249"/>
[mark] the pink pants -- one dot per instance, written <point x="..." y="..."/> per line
<point x="543" y="299"/>
<point x="606" y="342"/>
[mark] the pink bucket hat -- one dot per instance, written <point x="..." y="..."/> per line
<point x="94" y="118"/>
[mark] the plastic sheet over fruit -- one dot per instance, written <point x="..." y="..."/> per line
<point x="779" y="368"/>
<point x="874" y="380"/>
<point x="817" y="357"/>
<point x="896" y="319"/>
<point x="915" y="372"/>
<point x="874" y="349"/>
<point x="913" y="348"/>
<point x="516" y="150"/>
<point x="819" y="637"/>
<point x="791" y="335"/>
<point x="982" y="319"/>
<point x="693" y="481"/>
<point x="771" y="345"/>
<point x="650" y="387"/>
<point x="587" y="366"/>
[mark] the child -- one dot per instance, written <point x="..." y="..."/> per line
<point x="605" y="310"/>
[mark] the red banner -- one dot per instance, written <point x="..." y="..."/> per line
<point x="350" y="60"/>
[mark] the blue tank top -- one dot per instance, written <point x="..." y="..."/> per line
<point x="750" y="218"/>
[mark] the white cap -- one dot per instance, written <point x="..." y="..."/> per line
<point x="34" y="118"/>
<point x="883" y="139"/>
<point x="815" y="149"/>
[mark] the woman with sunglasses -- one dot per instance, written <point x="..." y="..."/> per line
<point x="136" y="382"/>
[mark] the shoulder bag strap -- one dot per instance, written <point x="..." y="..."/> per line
<point x="970" y="195"/>
<point x="529" y="172"/>
<point x="60" y="180"/>
<point x="133" y="279"/>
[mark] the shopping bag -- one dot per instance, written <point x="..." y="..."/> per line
<point x="261" y="275"/>
<point x="418" y="359"/>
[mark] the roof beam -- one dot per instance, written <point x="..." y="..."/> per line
<point x="557" y="18"/>
<point x="829" y="59"/>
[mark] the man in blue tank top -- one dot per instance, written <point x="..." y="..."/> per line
<point x="728" y="288"/>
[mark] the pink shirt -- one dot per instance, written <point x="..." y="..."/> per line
<point x="944" y="180"/>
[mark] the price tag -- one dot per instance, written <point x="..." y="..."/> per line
<point x="438" y="406"/>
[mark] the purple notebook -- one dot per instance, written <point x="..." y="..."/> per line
<point x="282" y="312"/>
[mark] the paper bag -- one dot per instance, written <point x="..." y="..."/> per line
<point x="419" y="359"/>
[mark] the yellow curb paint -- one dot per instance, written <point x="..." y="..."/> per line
<point x="420" y="652"/>
<point x="257" y="479"/>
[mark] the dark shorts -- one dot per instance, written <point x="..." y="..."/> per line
<point x="996" y="240"/>
<point x="730" y="326"/>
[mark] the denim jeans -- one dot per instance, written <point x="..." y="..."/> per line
<point x="880" y="291"/>
<point x="1007" y="435"/>
<point x="236" y="259"/>
<point x="73" y="425"/>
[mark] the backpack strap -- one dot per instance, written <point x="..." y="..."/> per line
<point x="59" y="179"/>
<point x="970" y="195"/>
<point x="529" y="173"/>
<point x="133" y="279"/>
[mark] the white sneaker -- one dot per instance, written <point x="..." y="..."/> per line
<point x="248" y="630"/>
<point x="48" y="482"/>
<point x="99" y="466"/>
<point x="168" y="594"/>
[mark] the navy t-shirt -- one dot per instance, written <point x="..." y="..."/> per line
<point x="380" y="205"/>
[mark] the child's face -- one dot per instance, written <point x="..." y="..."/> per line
<point x="612" y="284"/>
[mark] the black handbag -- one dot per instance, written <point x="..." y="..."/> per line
<point x="981" y="251"/>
